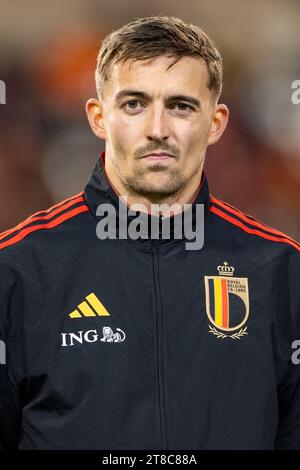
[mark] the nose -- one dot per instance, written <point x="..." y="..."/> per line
<point x="157" y="125"/>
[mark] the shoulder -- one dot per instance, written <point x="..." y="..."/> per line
<point x="48" y="220"/>
<point x="251" y="230"/>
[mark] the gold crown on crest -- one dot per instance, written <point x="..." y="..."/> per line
<point x="225" y="269"/>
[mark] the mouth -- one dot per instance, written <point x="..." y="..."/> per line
<point x="163" y="156"/>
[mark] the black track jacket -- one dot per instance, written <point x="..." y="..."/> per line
<point x="143" y="344"/>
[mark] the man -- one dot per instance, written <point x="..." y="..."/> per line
<point x="119" y="342"/>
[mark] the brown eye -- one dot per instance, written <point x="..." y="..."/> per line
<point x="183" y="106"/>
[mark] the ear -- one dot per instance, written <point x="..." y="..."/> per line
<point x="218" y="124"/>
<point x="94" y="111"/>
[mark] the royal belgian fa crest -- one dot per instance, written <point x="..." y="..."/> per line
<point x="227" y="303"/>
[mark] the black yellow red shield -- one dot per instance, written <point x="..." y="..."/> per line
<point x="227" y="301"/>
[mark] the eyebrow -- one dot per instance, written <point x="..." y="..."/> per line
<point x="142" y="94"/>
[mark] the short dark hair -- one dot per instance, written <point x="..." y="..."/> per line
<point x="153" y="36"/>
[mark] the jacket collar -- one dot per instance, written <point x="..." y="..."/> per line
<point x="99" y="190"/>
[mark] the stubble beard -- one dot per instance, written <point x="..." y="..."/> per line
<point x="138" y="183"/>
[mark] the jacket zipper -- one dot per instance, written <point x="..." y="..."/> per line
<point x="155" y="251"/>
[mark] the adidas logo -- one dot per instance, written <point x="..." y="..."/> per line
<point x="90" y="307"/>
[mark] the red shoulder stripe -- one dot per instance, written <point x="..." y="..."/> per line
<point x="59" y="220"/>
<point x="251" y="220"/>
<point x="59" y="204"/>
<point x="236" y="222"/>
<point x="34" y="217"/>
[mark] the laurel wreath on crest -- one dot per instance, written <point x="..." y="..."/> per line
<point x="219" y="334"/>
<point x="239" y="334"/>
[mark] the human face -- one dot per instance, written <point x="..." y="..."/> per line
<point x="147" y="108"/>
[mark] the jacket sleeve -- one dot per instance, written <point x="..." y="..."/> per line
<point x="287" y="356"/>
<point x="10" y="399"/>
